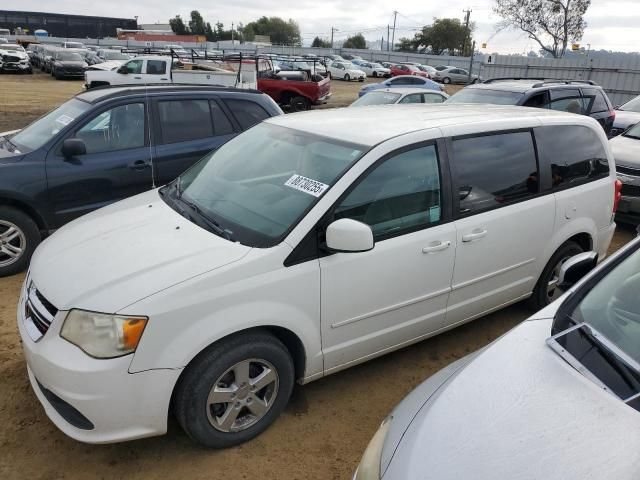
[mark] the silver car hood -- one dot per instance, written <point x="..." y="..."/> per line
<point x="625" y="119"/>
<point x="626" y="151"/>
<point x="518" y="411"/>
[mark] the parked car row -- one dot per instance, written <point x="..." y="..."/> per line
<point x="14" y="58"/>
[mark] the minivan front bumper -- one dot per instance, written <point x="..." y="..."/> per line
<point x="94" y="400"/>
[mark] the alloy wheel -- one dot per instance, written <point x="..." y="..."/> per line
<point x="12" y="243"/>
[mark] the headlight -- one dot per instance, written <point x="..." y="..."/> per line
<point x="101" y="335"/>
<point x="369" y="468"/>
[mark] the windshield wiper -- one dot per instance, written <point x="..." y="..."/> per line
<point x="211" y="223"/>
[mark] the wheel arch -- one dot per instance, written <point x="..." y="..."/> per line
<point x="26" y="208"/>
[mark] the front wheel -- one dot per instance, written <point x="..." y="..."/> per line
<point x="546" y="290"/>
<point x="446" y="80"/>
<point x="346" y="77"/>
<point x="19" y="237"/>
<point x="234" y="390"/>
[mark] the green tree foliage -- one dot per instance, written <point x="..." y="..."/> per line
<point x="445" y="34"/>
<point x="197" y="24"/>
<point x="321" y="43"/>
<point x="178" y="26"/>
<point x="281" y="32"/>
<point x="551" y="23"/>
<point x="407" y="45"/>
<point x="356" y="41"/>
<point x="209" y="33"/>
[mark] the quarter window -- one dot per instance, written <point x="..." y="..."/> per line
<point x="185" y="120"/>
<point x="120" y="128"/>
<point x="567" y="100"/>
<point x="494" y="170"/>
<point x="432" y="98"/>
<point x="596" y="99"/>
<point x="399" y="196"/>
<point x="570" y="154"/>
<point x="246" y="112"/>
<point x="221" y="122"/>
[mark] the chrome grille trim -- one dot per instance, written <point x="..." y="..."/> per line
<point x="39" y="313"/>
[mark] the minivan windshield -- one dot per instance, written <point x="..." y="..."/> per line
<point x="377" y="98"/>
<point x="632" y="105"/>
<point x="483" y="95"/>
<point x="45" y="128"/>
<point x="257" y="186"/>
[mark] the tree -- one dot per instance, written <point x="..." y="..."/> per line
<point x="445" y="34"/>
<point x="178" y="26"/>
<point x="551" y="23"/>
<point x="407" y="45"/>
<point x="209" y="33"/>
<point x="321" y="43"/>
<point x="282" y="32"/>
<point x="356" y="41"/>
<point x="196" y="24"/>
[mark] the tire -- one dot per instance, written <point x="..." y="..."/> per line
<point x="329" y="75"/>
<point x="17" y="231"/>
<point x="298" y="104"/>
<point x="446" y="80"/>
<point x="204" y="422"/>
<point x="542" y="295"/>
<point x="375" y="74"/>
<point x="346" y="77"/>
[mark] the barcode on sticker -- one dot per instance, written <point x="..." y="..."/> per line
<point x="306" y="185"/>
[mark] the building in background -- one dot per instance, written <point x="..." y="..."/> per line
<point x="64" y="25"/>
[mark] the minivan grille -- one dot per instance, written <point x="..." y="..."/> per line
<point x="39" y="311"/>
<point x="635" y="172"/>
<point x="630" y="190"/>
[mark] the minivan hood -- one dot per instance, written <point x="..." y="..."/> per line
<point x="122" y="253"/>
<point x="519" y="411"/>
<point x="626" y="151"/>
<point x="625" y="119"/>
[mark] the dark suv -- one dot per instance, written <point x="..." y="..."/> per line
<point x="105" y="145"/>
<point x="575" y="96"/>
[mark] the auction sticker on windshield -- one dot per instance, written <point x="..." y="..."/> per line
<point x="306" y="185"/>
<point x="64" y="119"/>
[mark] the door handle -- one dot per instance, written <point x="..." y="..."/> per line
<point x="139" y="165"/>
<point x="436" y="247"/>
<point x="164" y="79"/>
<point x="474" y="235"/>
<point x="138" y="78"/>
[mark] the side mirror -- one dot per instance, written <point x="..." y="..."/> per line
<point x="73" y="147"/>
<point x="575" y="268"/>
<point x="123" y="69"/>
<point x="348" y="235"/>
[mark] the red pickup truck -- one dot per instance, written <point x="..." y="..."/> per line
<point x="297" y="90"/>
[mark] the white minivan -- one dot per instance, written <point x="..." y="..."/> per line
<point x="301" y="247"/>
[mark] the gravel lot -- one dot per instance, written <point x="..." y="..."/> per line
<point x="321" y="435"/>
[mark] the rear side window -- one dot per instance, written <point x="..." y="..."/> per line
<point x="494" y="170"/>
<point x="221" y="122"/>
<point x="595" y="98"/>
<point x="184" y="120"/>
<point x="156" y="67"/>
<point x="246" y="112"/>
<point x="570" y="155"/>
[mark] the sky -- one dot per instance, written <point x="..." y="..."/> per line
<point x="612" y="24"/>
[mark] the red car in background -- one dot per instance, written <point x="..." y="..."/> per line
<point x="406" y="69"/>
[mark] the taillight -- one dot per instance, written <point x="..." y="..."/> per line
<point x="612" y="114"/>
<point x="617" y="195"/>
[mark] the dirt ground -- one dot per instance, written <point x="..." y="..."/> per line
<point x="321" y="435"/>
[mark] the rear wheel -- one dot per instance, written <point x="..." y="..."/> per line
<point x="375" y="74"/>
<point x="234" y="390"/>
<point x="546" y="290"/>
<point x="298" y="104"/>
<point x="446" y="80"/>
<point x="346" y="77"/>
<point x="19" y="237"/>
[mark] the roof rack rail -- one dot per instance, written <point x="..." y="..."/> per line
<point x="506" y="79"/>
<point x="565" y="82"/>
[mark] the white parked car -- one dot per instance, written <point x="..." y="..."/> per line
<point x="299" y="248"/>
<point x="557" y="397"/>
<point x="390" y="96"/>
<point x="345" y="71"/>
<point x="374" y="69"/>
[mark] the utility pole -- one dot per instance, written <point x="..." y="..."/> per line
<point x="232" y="41"/>
<point x="473" y="49"/>
<point x="388" y="27"/>
<point x="333" y="30"/>
<point x="466" y="27"/>
<point x="393" y="36"/>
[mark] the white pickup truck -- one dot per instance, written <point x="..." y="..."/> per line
<point x="160" y="69"/>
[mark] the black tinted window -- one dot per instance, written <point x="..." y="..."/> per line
<point x="494" y="170"/>
<point x="570" y="154"/>
<point x="595" y="98"/>
<point x="184" y="120"/>
<point x="119" y="128"/>
<point x="246" y="112"/>
<point x="156" y="67"/>
<point x="221" y="122"/>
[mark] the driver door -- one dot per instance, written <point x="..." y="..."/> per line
<point x="116" y="165"/>
<point x="397" y="292"/>
<point x="134" y="73"/>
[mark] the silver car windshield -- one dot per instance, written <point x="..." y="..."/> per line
<point x="258" y="185"/>
<point x="633" y="132"/>
<point x="376" y="98"/>
<point x="483" y="95"/>
<point x="45" y="128"/>
<point x="631" y="105"/>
